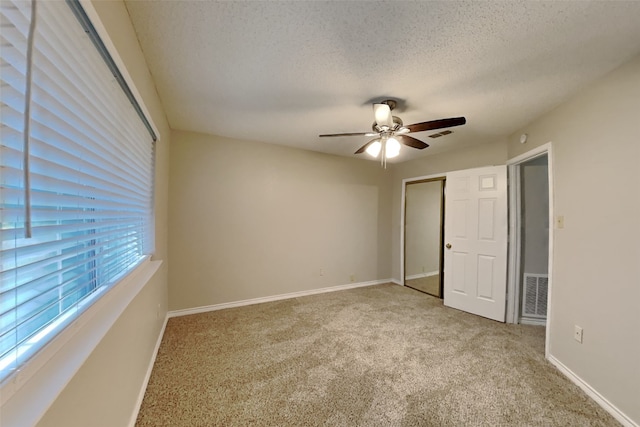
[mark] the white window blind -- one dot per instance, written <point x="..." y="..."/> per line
<point x="86" y="172"/>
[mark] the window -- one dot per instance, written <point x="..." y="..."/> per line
<point x="76" y="174"/>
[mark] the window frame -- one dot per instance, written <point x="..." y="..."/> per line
<point x="27" y="394"/>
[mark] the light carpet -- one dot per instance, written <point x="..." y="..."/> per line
<point x="383" y="355"/>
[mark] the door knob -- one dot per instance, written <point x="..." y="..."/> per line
<point x="448" y="246"/>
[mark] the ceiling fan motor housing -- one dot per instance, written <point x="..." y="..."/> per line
<point x="391" y="129"/>
<point x="397" y="124"/>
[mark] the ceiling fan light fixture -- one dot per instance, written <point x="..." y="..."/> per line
<point x="374" y="148"/>
<point x="390" y="132"/>
<point x="392" y="148"/>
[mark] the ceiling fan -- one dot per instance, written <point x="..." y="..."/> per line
<point x="390" y="132"/>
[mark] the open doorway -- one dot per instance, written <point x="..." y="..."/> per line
<point x="531" y="237"/>
<point x="533" y="280"/>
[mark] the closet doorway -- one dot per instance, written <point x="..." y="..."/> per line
<point x="423" y="233"/>
<point x="531" y="225"/>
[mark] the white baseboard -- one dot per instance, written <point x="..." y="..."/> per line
<point x="207" y="308"/>
<point x="145" y="383"/>
<point x="396" y="282"/>
<point x="592" y="393"/>
<point x="422" y="275"/>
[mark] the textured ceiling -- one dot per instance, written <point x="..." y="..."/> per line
<point x="284" y="72"/>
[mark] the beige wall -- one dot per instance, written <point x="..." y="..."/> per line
<point x="251" y="220"/>
<point x="596" y="261"/>
<point x="105" y="390"/>
<point x="438" y="164"/>
<point x="535" y="216"/>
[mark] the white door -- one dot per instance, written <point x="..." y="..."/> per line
<point x="475" y="236"/>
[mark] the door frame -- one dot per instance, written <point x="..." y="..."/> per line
<point x="515" y="237"/>
<point x="436" y="177"/>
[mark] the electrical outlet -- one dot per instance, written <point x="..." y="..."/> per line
<point x="321" y="272"/>
<point x="352" y="278"/>
<point x="560" y="222"/>
<point x="158" y="311"/>
<point x="577" y="333"/>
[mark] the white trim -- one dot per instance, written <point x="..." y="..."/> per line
<point x="515" y="234"/>
<point x="531" y="154"/>
<point x="396" y="282"/>
<point x="547" y="342"/>
<point x="215" y="307"/>
<point x="593" y="394"/>
<point x="422" y="275"/>
<point x="147" y="377"/>
<point x="28" y="394"/>
<point x="402" y="203"/>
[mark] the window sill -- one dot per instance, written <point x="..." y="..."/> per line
<point x="25" y="396"/>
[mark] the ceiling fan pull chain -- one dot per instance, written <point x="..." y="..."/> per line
<point x="383" y="153"/>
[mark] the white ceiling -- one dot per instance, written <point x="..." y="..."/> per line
<point x="284" y="72"/>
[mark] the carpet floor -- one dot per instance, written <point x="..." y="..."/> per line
<point x="382" y="355"/>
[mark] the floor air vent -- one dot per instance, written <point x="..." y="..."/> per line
<point x="536" y="287"/>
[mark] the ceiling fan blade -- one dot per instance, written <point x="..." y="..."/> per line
<point x="365" y="146"/>
<point x="350" y="134"/>
<point x="437" y="124"/>
<point x="411" y="141"/>
<point x="382" y="114"/>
